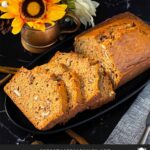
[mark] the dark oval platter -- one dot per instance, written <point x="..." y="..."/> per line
<point x="107" y="9"/>
<point x="122" y="95"/>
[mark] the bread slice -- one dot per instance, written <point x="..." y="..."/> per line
<point x="121" y="44"/>
<point x="57" y="69"/>
<point x="41" y="97"/>
<point x="106" y="89"/>
<point x="89" y="72"/>
<point x="72" y="83"/>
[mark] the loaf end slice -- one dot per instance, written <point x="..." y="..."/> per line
<point x="41" y="97"/>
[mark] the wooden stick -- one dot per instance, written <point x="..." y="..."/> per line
<point x="5" y="79"/>
<point x="77" y="137"/>
<point x="7" y="71"/>
<point x="9" y="68"/>
<point x="73" y="142"/>
<point x="37" y="143"/>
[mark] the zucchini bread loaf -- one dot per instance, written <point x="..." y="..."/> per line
<point x="41" y="97"/>
<point x="121" y="44"/>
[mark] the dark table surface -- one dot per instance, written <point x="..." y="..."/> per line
<point x="95" y="131"/>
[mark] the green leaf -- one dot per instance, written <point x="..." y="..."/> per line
<point x="70" y="3"/>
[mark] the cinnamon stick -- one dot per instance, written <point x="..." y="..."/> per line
<point x="7" y="71"/>
<point x="9" y="68"/>
<point x="5" y="79"/>
<point x="77" y="137"/>
<point x="73" y="142"/>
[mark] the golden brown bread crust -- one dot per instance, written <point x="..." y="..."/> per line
<point x="126" y="41"/>
<point x="120" y="19"/>
<point x="134" y="58"/>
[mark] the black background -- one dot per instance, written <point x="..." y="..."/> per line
<point x="95" y="131"/>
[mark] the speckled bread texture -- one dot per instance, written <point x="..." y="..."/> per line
<point x="72" y="83"/>
<point x="40" y="96"/>
<point x="89" y="73"/>
<point x="107" y="91"/>
<point x="121" y="44"/>
<point x="58" y="69"/>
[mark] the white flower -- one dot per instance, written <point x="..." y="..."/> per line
<point x="141" y="148"/>
<point x="85" y="10"/>
<point x="4" y="4"/>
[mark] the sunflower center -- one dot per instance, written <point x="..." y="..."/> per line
<point x="33" y="8"/>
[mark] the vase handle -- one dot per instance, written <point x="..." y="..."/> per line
<point x="77" y="22"/>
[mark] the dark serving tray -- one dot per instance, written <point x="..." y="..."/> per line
<point x="123" y="94"/>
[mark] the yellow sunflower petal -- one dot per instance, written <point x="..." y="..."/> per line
<point x="30" y="24"/>
<point x="17" y="22"/>
<point x="53" y="1"/>
<point x="38" y="25"/>
<point x="16" y="30"/>
<point x="13" y="9"/>
<point x="3" y="9"/>
<point x="7" y="16"/>
<point x="56" y="12"/>
<point x="17" y="25"/>
<point x="50" y="22"/>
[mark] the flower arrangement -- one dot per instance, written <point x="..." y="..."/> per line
<point x="34" y="13"/>
<point x="84" y="9"/>
<point x="37" y="13"/>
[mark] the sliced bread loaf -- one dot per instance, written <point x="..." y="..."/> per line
<point x="89" y="72"/>
<point x="72" y="83"/>
<point x="41" y="97"/>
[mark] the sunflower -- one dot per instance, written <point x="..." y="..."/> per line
<point x="34" y="13"/>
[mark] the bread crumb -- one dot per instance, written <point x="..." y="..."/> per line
<point x="45" y="114"/>
<point x="48" y="102"/>
<point x="36" y="98"/>
<point x="103" y="46"/>
<point x="42" y="107"/>
<point x="111" y="93"/>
